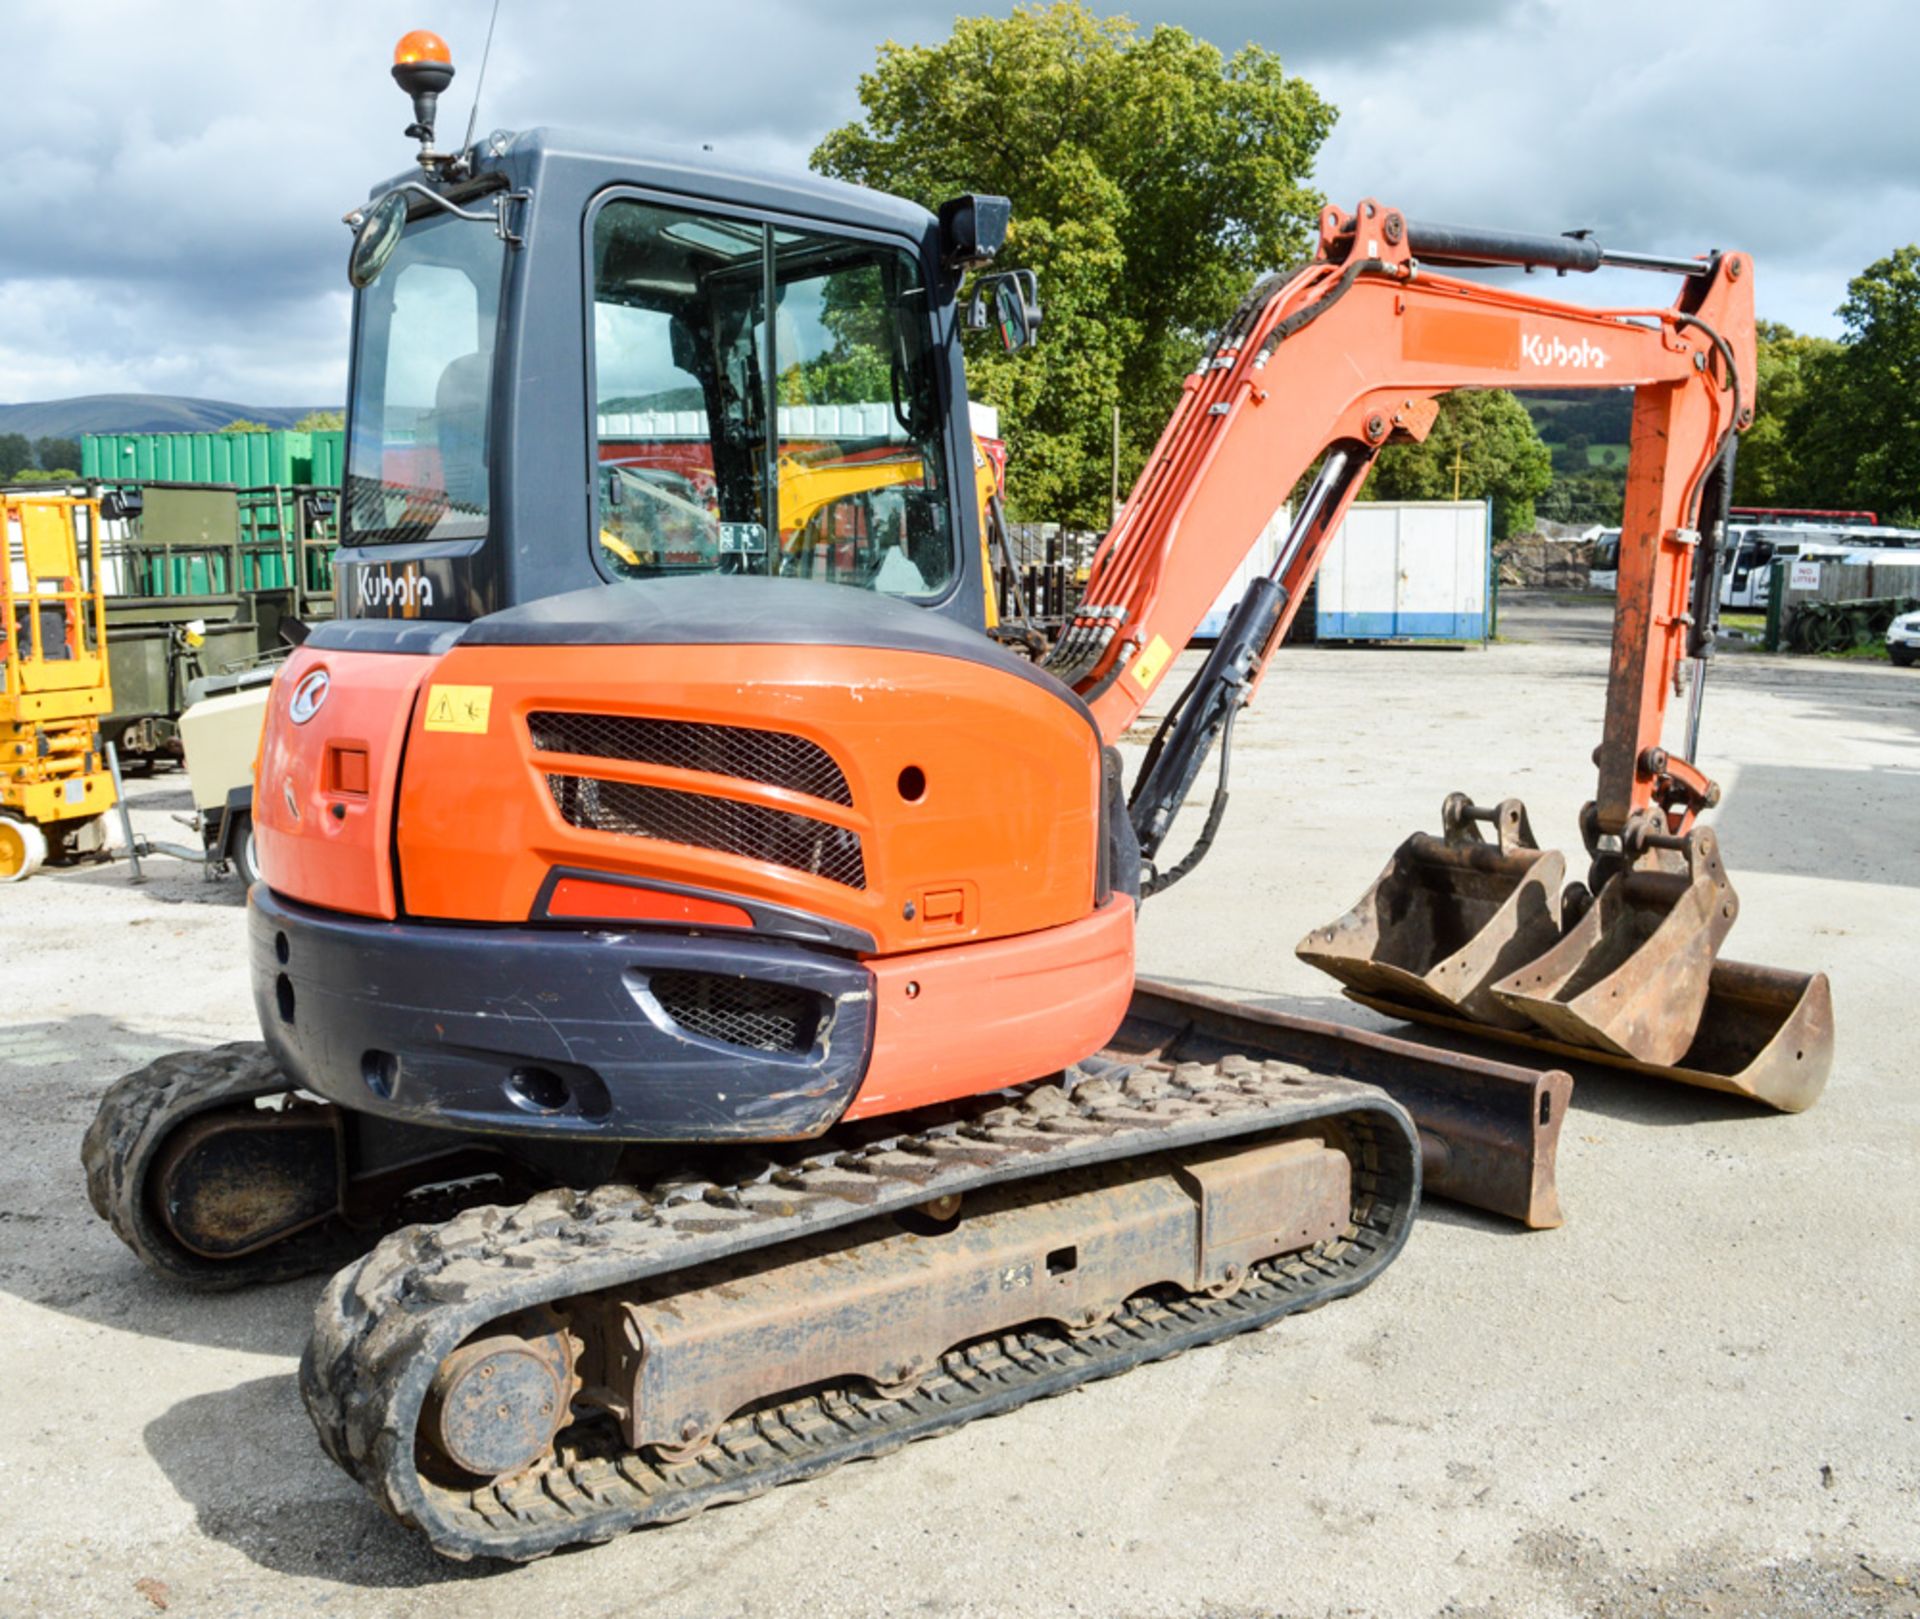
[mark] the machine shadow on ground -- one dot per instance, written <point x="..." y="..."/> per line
<point x="215" y="1447"/>
<point x="101" y="1283"/>
<point x="59" y="1255"/>
<point x="99" y="1048"/>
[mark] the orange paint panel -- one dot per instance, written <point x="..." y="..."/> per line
<point x="347" y="769"/>
<point x="1460" y="337"/>
<point x="578" y="897"/>
<point x="479" y="827"/>
<point x="317" y="844"/>
<point x="957" y="1022"/>
<point x="321" y="841"/>
<point x="1339" y="352"/>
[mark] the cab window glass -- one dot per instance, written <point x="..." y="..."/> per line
<point x="766" y="403"/>
<point x="417" y="461"/>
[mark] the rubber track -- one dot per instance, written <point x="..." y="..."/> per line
<point x="383" y="1325"/>
<point x="137" y="1114"/>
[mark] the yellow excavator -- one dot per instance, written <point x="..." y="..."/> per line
<point x="813" y="486"/>
<point x="54" y="782"/>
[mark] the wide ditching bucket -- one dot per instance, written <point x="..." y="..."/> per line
<point x="1451" y="916"/>
<point x="1766" y="1034"/>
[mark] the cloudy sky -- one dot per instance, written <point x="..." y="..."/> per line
<point x="176" y="173"/>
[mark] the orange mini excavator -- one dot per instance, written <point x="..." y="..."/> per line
<point x="756" y="951"/>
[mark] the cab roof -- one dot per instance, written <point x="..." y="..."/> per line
<point x="583" y="160"/>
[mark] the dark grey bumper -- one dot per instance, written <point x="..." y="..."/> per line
<point x="632" y="1036"/>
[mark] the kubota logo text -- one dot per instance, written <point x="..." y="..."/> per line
<point x="1581" y="356"/>
<point x="390" y="590"/>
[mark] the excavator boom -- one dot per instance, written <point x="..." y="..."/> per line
<point x="1331" y="364"/>
<point x="1315" y="374"/>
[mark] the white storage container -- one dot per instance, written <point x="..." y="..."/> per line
<point x="1415" y="570"/>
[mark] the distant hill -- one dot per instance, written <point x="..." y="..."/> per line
<point x="140" y="413"/>
<point x="1601" y="415"/>
<point x="688" y="397"/>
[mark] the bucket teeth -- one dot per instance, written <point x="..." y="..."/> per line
<point x="1451" y="915"/>
<point x="1631" y="975"/>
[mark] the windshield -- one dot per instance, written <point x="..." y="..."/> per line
<point x="422" y="386"/>
<point x="803" y="446"/>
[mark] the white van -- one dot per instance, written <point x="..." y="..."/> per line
<point x="1747" y="576"/>
<point x="1603" y="573"/>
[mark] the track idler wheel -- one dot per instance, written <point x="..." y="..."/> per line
<point x="497" y="1402"/>
<point x="1450" y="915"/>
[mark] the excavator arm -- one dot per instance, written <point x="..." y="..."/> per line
<point x="1314" y="375"/>
<point x="1330" y="364"/>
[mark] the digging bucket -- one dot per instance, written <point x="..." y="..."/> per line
<point x="1450" y="916"/>
<point x="1631" y="976"/>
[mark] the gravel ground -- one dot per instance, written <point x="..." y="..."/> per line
<point x="1701" y="1397"/>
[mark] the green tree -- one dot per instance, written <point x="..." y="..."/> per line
<point x="321" y="421"/>
<point x="1152" y="178"/>
<point x="1570" y="454"/>
<point x="57" y="454"/>
<point x="856" y="312"/>
<point x="1483" y="445"/>
<point x="1588" y="498"/>
<point x="1857" y="428"/>
<point x="16" y="451"/>
<point x="241" y="424"/>
<point x="1768" y="470"/>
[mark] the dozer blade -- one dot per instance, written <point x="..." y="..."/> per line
<point x="1450" y="915"/>
<point x="1489" y="1131"/>
<point x="1631" y="975"/>
<point x="1765" y="1033"/>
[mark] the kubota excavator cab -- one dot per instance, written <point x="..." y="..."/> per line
<point x="580" y="689"/>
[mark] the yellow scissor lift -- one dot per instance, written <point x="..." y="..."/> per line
<point x="54" y="781"/>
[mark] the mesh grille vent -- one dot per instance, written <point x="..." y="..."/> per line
<point x="772" y="758"/>
<point x="741" y="1011"/>
<point x="749" y="830"/>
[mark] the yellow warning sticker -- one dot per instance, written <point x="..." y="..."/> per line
<point x="458" y="708"/>
<point x="1152" y="661"/>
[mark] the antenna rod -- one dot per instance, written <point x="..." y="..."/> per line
<point x="479" y="84"/>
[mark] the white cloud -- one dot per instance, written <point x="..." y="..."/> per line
<point x="175" y="180"/>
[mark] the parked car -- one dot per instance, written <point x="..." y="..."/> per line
<point x="1903" y="639"/>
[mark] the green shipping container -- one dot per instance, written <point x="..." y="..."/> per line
<point x="329" y="459"/>
<point x="241" y="460"/>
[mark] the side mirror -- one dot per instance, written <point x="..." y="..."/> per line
<point x="1010" y="303"/>
<point x="117" y="504"/>
<point x="294" y="631"/>
<point x="972" y="230"/>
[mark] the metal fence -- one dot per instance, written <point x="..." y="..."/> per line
<point x="1045" y="569"/>
<point x="1834" y="604"/>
